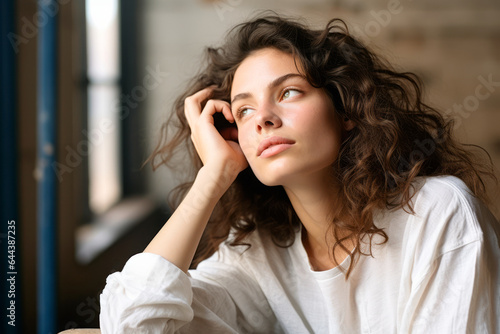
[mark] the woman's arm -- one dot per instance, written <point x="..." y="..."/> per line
<point x="223" y="160"/>
<point x="178" y="239"/>
<point x="153" y="293"/>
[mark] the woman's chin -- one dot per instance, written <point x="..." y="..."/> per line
<point x="270" y="180"/>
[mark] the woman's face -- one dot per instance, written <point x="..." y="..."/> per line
<point x="287" y="129"/>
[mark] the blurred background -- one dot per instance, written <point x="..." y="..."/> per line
<point x="119" y="65"/>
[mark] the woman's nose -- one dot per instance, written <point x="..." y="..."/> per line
<point x="266" y="119"/>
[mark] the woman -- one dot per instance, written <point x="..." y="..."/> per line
<point x="331" y="199"/>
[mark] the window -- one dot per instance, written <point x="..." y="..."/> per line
<point x="114" y="119"/>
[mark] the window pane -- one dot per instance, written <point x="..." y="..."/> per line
<point x="104" y="153"/>
<point x="103" y="72"/>
<point x="102" y="40"/>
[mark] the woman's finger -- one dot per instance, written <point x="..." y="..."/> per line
<point x="192" y="104"/>
<point x="214" y="106"/>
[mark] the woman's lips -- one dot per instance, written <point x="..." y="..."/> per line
<point x="273" y="145"/>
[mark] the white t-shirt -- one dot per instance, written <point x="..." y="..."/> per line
<point x="438" y="273"/>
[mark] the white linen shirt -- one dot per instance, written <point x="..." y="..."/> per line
<point x="438" y="273"/>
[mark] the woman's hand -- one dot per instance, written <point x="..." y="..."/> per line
<point x="223" y="159"/>
<point x="219" y="151"/>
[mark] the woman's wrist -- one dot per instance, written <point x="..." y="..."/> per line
<point x="214" y="181"/>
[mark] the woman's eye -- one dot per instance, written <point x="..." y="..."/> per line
<point x="243" y="112"/>
<point x="289" y="93"/>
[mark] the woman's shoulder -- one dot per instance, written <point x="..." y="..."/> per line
<point x="445" y="187"/>
<point x="447" y="219"/>
<point x="447" y="213"/>
<point x="445" y="195"/>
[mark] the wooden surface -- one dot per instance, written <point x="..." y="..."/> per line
<point x="82" y="331"/>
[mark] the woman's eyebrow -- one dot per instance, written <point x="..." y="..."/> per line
<point x="276" y="82"/>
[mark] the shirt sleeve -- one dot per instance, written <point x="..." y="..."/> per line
<point x="455" y="284"/>
<point x="151" y="295"/>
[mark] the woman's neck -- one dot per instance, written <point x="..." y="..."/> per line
<point x="313" y="202"/>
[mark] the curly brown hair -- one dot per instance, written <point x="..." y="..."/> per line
<point x="396" y="138"/>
